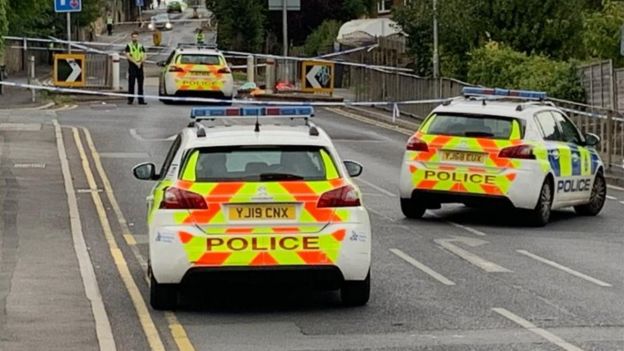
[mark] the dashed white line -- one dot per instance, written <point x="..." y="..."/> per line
<point x="468" y="229"/>
<point x="564" y="268"/>
<point x="536" y="330"/>
<point x="615" y="187"/>
<point x="475" y="260"/>
<point x="611" y="197"/>
<point x="435" y="275"/>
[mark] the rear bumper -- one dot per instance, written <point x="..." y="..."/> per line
<point x="344" y="247"/>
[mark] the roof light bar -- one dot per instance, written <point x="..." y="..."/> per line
<point x="199" y="113"/>
<point x="523" y="94"/>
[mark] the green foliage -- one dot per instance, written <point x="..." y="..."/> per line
<point x="601" y="36"/>
<point x="4" y="24"/>
<point x="29" y="17"/>
<point x="496" y="65"/>
<point x="354" y="8"/>
<point x="322" y="39"/>
<point x="240" y="23"/>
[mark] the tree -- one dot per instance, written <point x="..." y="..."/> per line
<point x="240" y="23"/>
<point x="602" y="32"/>
<point x="322" y="39"/>
<point x="4" y="25"/>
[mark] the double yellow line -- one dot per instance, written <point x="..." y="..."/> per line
<point x="147" y="323"/>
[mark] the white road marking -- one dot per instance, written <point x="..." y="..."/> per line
<point x="102" y="324"/>
<point x="611" y="197"/>
<point x="475" y="260"/>
<point x="370" y="121"/>
<point x="622" y="202"/>
<point x="535" y="330"/>
<point x="435" y="275"/>
<point x="378" y="188"/>
<point x="137" y="136"/>
<point x="468" y="229"/>
<point x="615" y="187"/>
<point x="564" y="268"/>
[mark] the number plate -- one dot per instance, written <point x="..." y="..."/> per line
<point x="460" y="156"/>
<point x="261" y="212"/>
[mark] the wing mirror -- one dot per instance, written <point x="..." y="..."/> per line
<point x="145" y="171"/>
<point x="160" y="63"/>
<point x="592" y="139"/>
<point x="353" y="168"/>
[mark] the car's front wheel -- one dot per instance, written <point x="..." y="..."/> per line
<point x="597" y="199"/>
<point x="163" y="296"/>
<point x="540" y="215"/>
<point x="356" y="292"/>
<point x="411" y="209"/>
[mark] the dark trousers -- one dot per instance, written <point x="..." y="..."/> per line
<point x="135" y="73"/>
<point x="109" y="27"/>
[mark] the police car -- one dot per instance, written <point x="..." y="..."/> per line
<point x="269" y="200"/>
<point x="498" y="147"/>
<point x="196" y="71"/>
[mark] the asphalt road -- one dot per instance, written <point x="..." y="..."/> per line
<point x="460" y="279"/>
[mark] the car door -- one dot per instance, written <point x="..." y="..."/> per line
<point x="164" y="70"/>
<point x="578" y="164"/>
<point x="167" y="169"/>
<point x="558" y="153"/>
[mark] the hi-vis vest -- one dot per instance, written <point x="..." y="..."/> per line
<point x="136" y="51"/>
<point x="109" y="20"/>
<point x="200" y="37"/>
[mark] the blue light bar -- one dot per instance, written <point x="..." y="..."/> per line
<point x="255" y="111"/>
<point x="524" y="94"/>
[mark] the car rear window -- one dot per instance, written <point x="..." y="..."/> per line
<point x="209" y="60"/>
<point x="476" y="126"/>
<point x="258" y="163"/>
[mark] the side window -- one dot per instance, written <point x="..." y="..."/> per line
<point x="548" y="125"/>
<point x="170" y="155"/>
<point x="170" y="58"/>
<point x="569" y="132"/>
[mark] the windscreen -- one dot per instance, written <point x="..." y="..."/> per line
<point x="209" y="60"/>
<point x="476" y="126"/>
<point x="253" y="163"/>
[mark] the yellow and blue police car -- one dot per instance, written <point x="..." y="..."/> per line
<point x="272" y="200"/>
<point x="499" y="147"/>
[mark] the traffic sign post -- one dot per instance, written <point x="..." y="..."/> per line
<point x="69" y="70"/>
<point x="68" y="6"/>
<point x="318" y="77"/>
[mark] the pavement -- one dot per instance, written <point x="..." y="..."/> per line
<point x="433" y="283"/>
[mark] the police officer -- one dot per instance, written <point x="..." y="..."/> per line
<point x="136" y="57"/>
<point x="199" y="37"/>
<point x="109" y="24"/>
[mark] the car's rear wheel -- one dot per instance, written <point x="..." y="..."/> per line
<point x="411" y="209"/>
<point x="163" y="296"/>
<point x="597" y="199"/>
<point x="356" y="292"/>
<point x="162" y="93"/>
<point x="540" y="215"/>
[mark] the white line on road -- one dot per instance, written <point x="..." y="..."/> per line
<point x="435" y="275"/>
<point x="484" y="264"/>
<point x="137" y="136"/>
<point x="468" y="229"/>
<point x="611" y="197"/>
<point x="535" y="330"/>
<point x="102" y="324"/>
<point x="564" y="268"/>
<point x="622" y="202"/>
<point x="615" y="187"/>
<point x="378" y="188"/>
<point x="145" y="318"/>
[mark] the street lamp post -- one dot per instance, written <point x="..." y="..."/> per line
<point x="436" y="59"/>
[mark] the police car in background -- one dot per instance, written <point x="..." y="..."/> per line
<point x="196" y="71"/>
<point x="498" y="147"/>
<point x="272" y="202"/>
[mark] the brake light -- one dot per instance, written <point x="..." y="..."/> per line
<point x="225" y="70"/>
<point x="345" y="196"/>
<point x="518" y="151"/>
<point x="175" y="69"/>
<point x="178" y="199"/>
<point x="417" y="144"/>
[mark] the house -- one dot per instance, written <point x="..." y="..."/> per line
<point x="384" y="7"/>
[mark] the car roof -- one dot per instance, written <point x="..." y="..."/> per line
<point x="235" y="135"/>
<point x="498" y="107"/>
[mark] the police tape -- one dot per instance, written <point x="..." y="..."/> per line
<point x="221" y="101"/>
<point x="593" y="115"/>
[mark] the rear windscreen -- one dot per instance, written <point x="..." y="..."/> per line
<point x="476" y="126"/>
<point x="210" y="60"/>
<point x="252" y="163"/>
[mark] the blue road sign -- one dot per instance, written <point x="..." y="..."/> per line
<point x="67" y="5"/>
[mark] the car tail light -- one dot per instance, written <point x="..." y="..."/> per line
<point x="518" y="151"/>
<point x="345" y="196"/>
<point x="225" y="70"/>
<point x="417" y="144"/>
<point x="175" y="69"/>
<point x="178" y="199"/>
